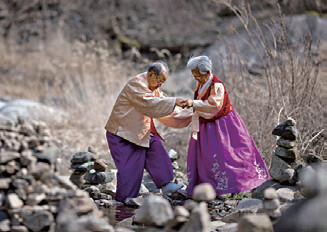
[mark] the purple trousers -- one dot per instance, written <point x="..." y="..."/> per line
<point x="131" y="160"/>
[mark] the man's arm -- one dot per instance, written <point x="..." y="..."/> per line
<point x="144" y="100"/>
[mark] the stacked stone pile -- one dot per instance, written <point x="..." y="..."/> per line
<point x="271" y="204"/>
<point x="308" y="214"/>
<point x="93" y="176"/>
<point x="81" y="162"/>
<point x="284" y="167"/>
<point x="33" y="196"/>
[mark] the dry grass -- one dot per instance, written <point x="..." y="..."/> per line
<point x="81" y="78"/>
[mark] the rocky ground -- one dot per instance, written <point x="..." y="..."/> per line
<point x="36" y="197"/>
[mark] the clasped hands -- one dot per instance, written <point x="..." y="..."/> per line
<point x="184" y="103"/>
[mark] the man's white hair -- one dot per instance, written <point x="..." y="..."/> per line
<point x="201" y="62"/>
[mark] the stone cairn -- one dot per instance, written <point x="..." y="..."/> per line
<point x="284" y="166"/>
<point x="271" y="204"/>
<point x="93" y="176"/>
<point x="33" y="196"/>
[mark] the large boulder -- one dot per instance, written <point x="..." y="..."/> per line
<point x="31" y="110"/>
<point x="155" y="211"/>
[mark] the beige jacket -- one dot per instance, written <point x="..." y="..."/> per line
<point x="136" y="105"/>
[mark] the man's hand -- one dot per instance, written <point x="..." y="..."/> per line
<point x="184" y="102"/>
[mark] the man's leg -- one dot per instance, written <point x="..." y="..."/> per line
<point x="129" y="159"/>
<point x="158" y="163"/>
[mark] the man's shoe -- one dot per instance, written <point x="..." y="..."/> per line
<point x="170" y="188"/>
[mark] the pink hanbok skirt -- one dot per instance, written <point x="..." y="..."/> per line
<point x="225" y="156"/>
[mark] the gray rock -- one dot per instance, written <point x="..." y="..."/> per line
<point x="82" y="167"/>
<point x="285" y="131"/>
<point x="175" y="165"/>
<point x="27" y="158"/>
<point x="13" y="201"/>
<point x="199" y="219"/>
<point x="81" y="157"/>
<point x="134" y="202"/>
<point x="98" y="196"/>
<point x="203" y="192"/>
<point x="41" y="170"/>
<point x="273" y="214"/>
<point x="181" y="211"/>
<point x="271" y="204"/>
<point x="6" y="122"/>
<point x="285" y="143"/>
<point x="36" y="221"/>
<point x="49" y="154"/>
<point x="77" y="178"/>
<point x="92" y="189"/>
<point x="30" y="110"/>
<point x="215" y="224"/>
<point x="281" y="171"/>
<point x="108" y="188"/>
<point x="236" y="216"/>
<point x="270" y="194"/>
<point x="255" y="223"/>
<point x="35" y="198"/>
<point x="6" y="156"/>
<point x="5" y="225"/>
<point x="89" y="223"/>
<point x="230" y="227"/>
<point x="124" y="224"/>
<point x="5" y="183"/>
<point x="154" y="211"/>
<point x="289" y="154"/>
<point x="190" y="205"/>
<point x="285" y="194"/>
<point x="175" y="223"/>
<point x="249" y="203"/>
<point x="20" y="183"/>
<point x="26" y="128"/>
<point x="19" y="229"/>
<point x="101" y="177"/>
<point x="313" y="180"/>
<point x="143" y="190"/>
<point x="64" y="182"/>
<point x="173" y="155"/>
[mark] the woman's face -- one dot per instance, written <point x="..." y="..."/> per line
<point x="199" y="77"/>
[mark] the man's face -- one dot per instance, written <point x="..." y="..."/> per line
<point x="155" y="81"/>
<point x="199" y="77"/>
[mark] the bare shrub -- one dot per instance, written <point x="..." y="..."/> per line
<point x="290" y="88"/>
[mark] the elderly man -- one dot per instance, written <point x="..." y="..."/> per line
<point x="133" y="140"/>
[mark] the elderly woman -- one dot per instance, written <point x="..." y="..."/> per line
<point x="221" y="151"/>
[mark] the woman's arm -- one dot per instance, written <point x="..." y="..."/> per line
<point x="209" y="108"/>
